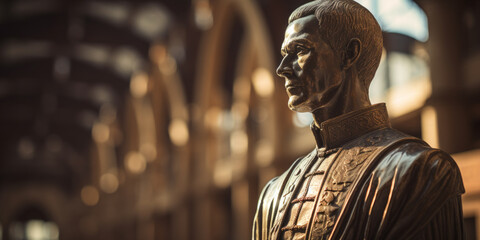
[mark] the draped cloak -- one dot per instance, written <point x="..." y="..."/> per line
<point x="383" y="184"/>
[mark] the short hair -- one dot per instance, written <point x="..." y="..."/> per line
<point x="339" y="22"/>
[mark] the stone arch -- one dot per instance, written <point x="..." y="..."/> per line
<point x="239" y="174"/>
<point x="43" y="198"/>
<point x="256" y="47"/>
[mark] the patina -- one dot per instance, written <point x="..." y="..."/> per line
<point x="364" y="180"/>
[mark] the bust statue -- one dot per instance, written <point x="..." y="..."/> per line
<point x="363" y="180"/>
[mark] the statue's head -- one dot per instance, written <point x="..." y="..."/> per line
<point x="326" y="43"/>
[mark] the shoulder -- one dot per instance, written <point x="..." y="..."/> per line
<point x="414" y="161"/>
<point x="416" y="154"/>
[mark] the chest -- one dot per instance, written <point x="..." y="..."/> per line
<point x="313" y="206"/>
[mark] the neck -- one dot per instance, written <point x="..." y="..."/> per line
<point x="350" y="96"/>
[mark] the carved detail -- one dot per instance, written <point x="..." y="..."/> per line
<point x="338" y="182"/>
<point x="347" y="127"/>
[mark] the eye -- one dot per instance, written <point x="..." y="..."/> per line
<point x="301" y="50"/>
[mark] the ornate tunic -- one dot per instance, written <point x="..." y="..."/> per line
<point x="299" y="209"/>
<point x="364" y="181"/>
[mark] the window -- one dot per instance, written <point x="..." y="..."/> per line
<point x="34" y="229"/>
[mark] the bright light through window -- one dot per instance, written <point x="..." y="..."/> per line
<point x="34" y="230"/>
<point x="399" y="16"/>
<point x="301" y="119"/>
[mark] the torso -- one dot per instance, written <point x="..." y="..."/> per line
<point x="309" y="200"/>
<point x="300" y="209"/>
<point x="316" y="189"/>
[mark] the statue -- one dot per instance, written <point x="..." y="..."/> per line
<point x="364" y="180"/>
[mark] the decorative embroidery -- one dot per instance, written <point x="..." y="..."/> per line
<point x="321" y="172"/>
<point x="296" y="228"/>
<point x="351" y="125"/>
<point x="303" y="199"/>
<point x="338" y="181"/>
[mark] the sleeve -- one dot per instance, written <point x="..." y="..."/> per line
<point x="424" y="201"/>
<point x="447" y="222"/>
<point x="260" y="215"/>
<point x="414" y="193"/>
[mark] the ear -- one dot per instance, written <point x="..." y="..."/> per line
<point x="351" y="54"/>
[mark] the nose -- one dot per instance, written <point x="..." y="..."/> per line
<point x="285" y="68"/>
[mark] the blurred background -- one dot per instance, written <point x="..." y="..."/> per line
<point x="164" y="119"/>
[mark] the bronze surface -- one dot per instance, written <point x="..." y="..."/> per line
<point x="364" y="180"/>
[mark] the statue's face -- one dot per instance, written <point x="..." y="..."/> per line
<point x="311" y="69"/>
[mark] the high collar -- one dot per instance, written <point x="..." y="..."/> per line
<point x="339" y="130"/>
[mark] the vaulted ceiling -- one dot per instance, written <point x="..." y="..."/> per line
<point x="61" y="64"/>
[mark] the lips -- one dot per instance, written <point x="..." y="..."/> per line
<point x="293" y="88"/>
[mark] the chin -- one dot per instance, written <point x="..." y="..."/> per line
<point x="299" y="107"/>
<point x="302" y="105"/>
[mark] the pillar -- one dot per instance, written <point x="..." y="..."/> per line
<point x="445" y="120"/>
